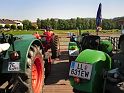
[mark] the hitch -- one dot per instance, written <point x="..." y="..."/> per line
<point x="17" y="83"/>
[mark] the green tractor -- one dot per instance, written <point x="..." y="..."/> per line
<point x="93" y="66"/>
<point x="21" y="64"/>
<point x="86" y="41"/>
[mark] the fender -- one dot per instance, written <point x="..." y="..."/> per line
<point x="99" y="61"/>
<point x="91" y="56"/>
<point x="106" y="46"/>
<point x="23" y="45"/>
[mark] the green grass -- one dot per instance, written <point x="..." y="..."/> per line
<point x="20" y="32"/>
<point x="17" y="32"/>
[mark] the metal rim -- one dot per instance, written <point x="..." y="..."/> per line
<point x="37" y="74"/>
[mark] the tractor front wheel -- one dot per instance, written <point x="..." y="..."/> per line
<point x="55" y="47"/>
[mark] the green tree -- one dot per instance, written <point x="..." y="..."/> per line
<point x="107" y="24"/>
<point x="79" y="22"/>
<point x="7" y="26"/>
<point x="72" y="23"/>
<point x="87" y="23"/>
<point x="1" y="26"/>
<point x="48" y="22"/>
<point x="53" y="23"/>
<point x="61" y="24"/>
<point x="43" y="24"/>
<point x="92" y="23"/>
<point x="20" y="27"/>
<point x="26" y="24"/>
<point x="66" y="25"/>
<point x="13" y="27"/>
<point x="34" y="26"/>
<point x="83" y="23"/>
<point x="39" y="23"/>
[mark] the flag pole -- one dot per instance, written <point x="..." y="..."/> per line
<point x="97" y="31"/>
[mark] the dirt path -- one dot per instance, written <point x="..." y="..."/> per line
<point x="57" y="81"/>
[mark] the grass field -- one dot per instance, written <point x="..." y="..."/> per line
<point x="19" y="32"/>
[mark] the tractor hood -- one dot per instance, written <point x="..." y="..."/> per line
<point x="91" y="56"/>
<point x="22" y="44"/>
<point x="26" y="36"/>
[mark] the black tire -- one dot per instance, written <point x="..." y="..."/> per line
<point x="34" y="74"/>
<point x="47" y="59"/>
<point x="55" y="47"/>
<point x="35" y="60"/>
<point x="121" y="38"/>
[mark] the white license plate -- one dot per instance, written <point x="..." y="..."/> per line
<point x="73" y="52"/>
<point x="13" y="66"/>
<point x="81" y="70"/>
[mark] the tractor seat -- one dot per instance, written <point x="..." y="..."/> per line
<point x="4" y="47"/>
<point x="90" y="42"/>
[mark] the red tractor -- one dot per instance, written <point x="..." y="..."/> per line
<point x="49" y="41"/>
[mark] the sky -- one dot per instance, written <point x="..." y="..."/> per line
<point x="63" y="9"/>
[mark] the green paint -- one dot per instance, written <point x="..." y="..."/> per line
<point x="106" y="46"/>
<point x="72" y="45"/>
<point x="99" y="61"/>
<point x="22" y="45"/>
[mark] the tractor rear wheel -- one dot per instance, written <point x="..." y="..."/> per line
<point x="55" y="47"/>
<point x="33" y="79"/>
<point x="35" y="70"/>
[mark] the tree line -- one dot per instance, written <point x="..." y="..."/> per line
<point x="74" y="23"/>
<point x="68" y="24"/>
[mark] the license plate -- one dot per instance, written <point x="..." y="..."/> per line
<point x="73" y="52"/>
<point x="13" y="66"/>
<point x="81" y="70"/>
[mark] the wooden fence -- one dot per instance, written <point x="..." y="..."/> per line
<point x="114" y="40"/>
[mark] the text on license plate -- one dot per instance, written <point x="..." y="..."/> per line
<point x="13" y="66"/>
<point x="81" y="70"/>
